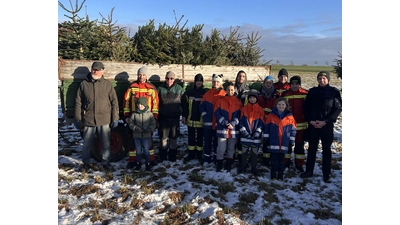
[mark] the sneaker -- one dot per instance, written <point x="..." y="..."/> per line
<point x="148" y="167"/>
<point x="306" y="174"/>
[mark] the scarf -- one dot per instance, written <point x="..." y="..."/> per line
<point x="267" y="92"/>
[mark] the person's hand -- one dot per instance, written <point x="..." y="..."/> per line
<point x="256" y="135"/>
<point x="78" y="124"/>
<point x="184" y="120"/>
<point x="229" y="126"/>
<point x="138" y="129"/>
<point x="127" y="120"/>
<point x="114" y="124"/>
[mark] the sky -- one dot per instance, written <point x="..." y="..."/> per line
<point x="302" y="32"/>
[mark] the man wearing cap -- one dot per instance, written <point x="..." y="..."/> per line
<point x="282" y="85"/>
<point x="321" y="108"/>
<point x="140" y="88"/>
<point x="207" y="108"/>
<point x="170" y="111"/>
<point x="192" y="119"/>
<point x="96" y="109"/>
<point x="296" y="96"/>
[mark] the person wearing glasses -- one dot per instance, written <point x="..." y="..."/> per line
<point x="170" y="110"/>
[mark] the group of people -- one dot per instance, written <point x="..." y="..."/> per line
<point x="223" y="124"/>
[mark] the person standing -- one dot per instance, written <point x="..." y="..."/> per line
<point x="207" y="113"/>
<point x="295" y="96"/>
<point x="227" y="114"/>
<point x="192" y="119"/>
<point x="96" y="109"/>
<point x="170" y="111"/>
<point x="266" y="100"/>
<point x="279" y="133"/>
<point x="142" y="123"/>
<point x="251" y="124"/>
<point x="140" y="88"/>
<point x="282" y="85"/>
<point x="241" y="91"/>
<point x="321" y="108"/>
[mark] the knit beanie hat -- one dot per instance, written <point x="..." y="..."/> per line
<point x="253" y="92"/>
<point x="142" y="70"/>
<point x="143" y="101"/>
<point x="217" y="77"/>
<point x="283" y="71"/>
<point x="324" y="73"/>
<point x="295" y="79"/>
<point x="198" y="77"/>
<point x="269" y="78"/>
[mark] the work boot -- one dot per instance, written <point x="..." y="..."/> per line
<point x="327" y="179"/>
<point x="163" y="154"/>
<point x="131" y="165"/>
<point x="172" y="155"/>
<point x="219" y="165"/>
<point x="273" y="175"/>
<point x="228" y="165"/>
<point x="199" y="156"/>
<point x="138" y="167"/>
<point x="280" y="175"/>
<point x="300" y="169"/>
<point x="306" y="174"/>
<point x="148" y="167"/>
<point x="191" y="155"/>
<point x="254" y="171"/>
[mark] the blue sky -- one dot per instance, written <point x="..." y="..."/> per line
<point x="290" y="30"/>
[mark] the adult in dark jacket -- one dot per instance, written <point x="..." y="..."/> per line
<point x="322" y="106"/>
<point x="170" y="111"/>
<point x="96" y="109"/>
<point x="191" y="117"/>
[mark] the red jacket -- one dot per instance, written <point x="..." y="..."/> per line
<point x="296" y="99"/>
<point x="280" y="88"/>
<point x="227" y="110"/>
<point x="137" y="90"/>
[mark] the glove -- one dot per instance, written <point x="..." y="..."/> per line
<point x="256" y="135"/>
<point x="149" y="130"/>
<point x="138" y="129"/>
<point x="114" y="124"/>
<point x="78" y="124"/>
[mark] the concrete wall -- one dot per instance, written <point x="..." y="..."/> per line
<point x="70" y="69"/>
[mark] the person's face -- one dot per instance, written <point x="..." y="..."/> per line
<point x="216" y="84"/>
<point x="230" y="90"/>
<point x="140" y="106"/>
<point x="199" y="83"/>
<point x="281" y="106"/>
<point x="268" y="83"/>
<point x="283" y="79"/>
<point x="252" y="99"/>
<point x="169" y="81"/>
<point x="323" y="81"/>
<point x="295" y="86"/>
<point x="241" y="78"/>
<point x="96" y="74"/>
<point x="142" y="77"/>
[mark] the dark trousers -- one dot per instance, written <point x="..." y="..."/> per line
<point x="314" y="135"/>
<point x="277" y="162"/>
<point x="195" y="136"/>
<point x="210" y="144"/>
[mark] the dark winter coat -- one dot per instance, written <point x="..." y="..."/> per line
<point x="191" y="106"/>
<point x="170" y="101"/>
<point x="323" y="103"/>
<point x="279" y="131"/>
<point x="96" y="102"/>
